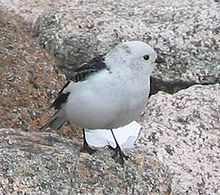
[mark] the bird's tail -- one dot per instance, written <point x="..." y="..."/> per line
<point x="56" y="121"/>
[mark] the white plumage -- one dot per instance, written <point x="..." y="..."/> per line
<point x="107" y="92"/>
<point x="114" y="96"/>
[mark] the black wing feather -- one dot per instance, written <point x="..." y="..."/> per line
<point x="62" y="98"/>
<point x="85" y="70"/>
<point x="80" y="74"/>
<point x="67" y="83"/>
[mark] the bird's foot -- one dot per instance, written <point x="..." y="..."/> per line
<point x="119" y="156"/>
<point x="87" y="149"/>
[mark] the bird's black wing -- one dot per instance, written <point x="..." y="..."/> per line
<point x="80" y="74"/>
<point x="61" y="98"/>
<point x="86" y="69"/>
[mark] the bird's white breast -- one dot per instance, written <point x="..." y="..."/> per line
<point x="107" y="99"/>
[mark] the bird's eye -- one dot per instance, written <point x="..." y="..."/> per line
<point x="146" y="57"/>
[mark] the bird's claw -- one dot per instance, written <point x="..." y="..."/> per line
<point x="87" y="149"/>
<point x="119" y="156"/>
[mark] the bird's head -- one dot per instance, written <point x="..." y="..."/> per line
<point x="133" y="54"/>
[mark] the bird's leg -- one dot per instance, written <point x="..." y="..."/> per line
<point x="86" y="147"/>
<point x="118" y="156"/>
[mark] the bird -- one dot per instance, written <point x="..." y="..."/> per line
<point x="106" y="92"/>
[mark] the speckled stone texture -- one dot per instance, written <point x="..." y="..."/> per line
<point x="29" y="79"/>
<point x="179" y="150"/>
<point x="183" y="132"/>
<point x="185" y="33"/>
<point x="42" y="163"/>
<point x="30" y="10"/>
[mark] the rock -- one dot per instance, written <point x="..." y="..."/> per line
<point x="185" y="33"/>
<point x="183" y="132"/>
<point x="29" y="79"/>
<point x="30" y="10"/>
<point x="46" y="163"/>
<point x="43" y="163"/>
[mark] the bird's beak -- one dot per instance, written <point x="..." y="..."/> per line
<point x="160" y="59"/>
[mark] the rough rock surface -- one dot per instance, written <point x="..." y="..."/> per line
<point x="183" y="132"/>
<point x="42" y="163"/>
<point x="185" y="33"/>
<point x="30" y="10"/>
<point x="29" y="79"/>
